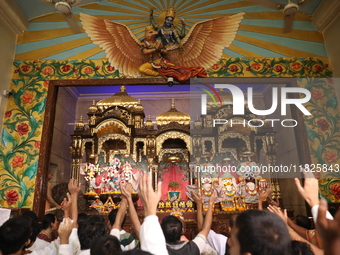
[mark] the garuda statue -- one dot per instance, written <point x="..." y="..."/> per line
<point x="181" y="57"/>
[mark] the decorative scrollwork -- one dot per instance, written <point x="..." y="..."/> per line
<point x="174" y="135"/>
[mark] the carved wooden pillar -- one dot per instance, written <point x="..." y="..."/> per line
<point x="76" y="151"/>
<point x="270" y="146"/>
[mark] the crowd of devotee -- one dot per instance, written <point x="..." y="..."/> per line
<point x="263" y="231"/>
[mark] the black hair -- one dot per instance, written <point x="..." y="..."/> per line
<point x="135" y="252"/>
<point x="31" y="215"/>
<point x="112" y="217"/>
<point x="106" y="245"/>
<point x="89" y="229"/>
<point x="35" y="225"/>
<point x="262" y="233"/>
<point x="232" y="220"/>
<point x="82" y="216"/>
<point x="301" y="248"/>
<point x="14" y="233"/>
<point x="303" y="221"/>
<point x="47" y="220"/>
<point x="172" y="229"/>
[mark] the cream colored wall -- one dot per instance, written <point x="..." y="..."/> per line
<point x="332" y="39"/>
<point x="7" y="46"/>
<point x="12" y="22"/>
<point x="286" y="154"/>
<point x="327" y="19"/>
<point x="63" y="129"/>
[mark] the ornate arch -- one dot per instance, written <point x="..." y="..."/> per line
<point x="172" y="135"/>
<point x="114" y="122"/>
<point x="222" y="137"/>
<point x="135" y="141"/>
<point x="124" y="138"/>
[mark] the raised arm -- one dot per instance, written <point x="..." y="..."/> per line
<point x="127" y="189"/>
<point x="292" y="233"/>
<point x="310" y="192"/>
<point x="66" y="205"/>
<point x="74" y="189"/>
<point x="120" y="214"/>
<point x="300" y="230"/>
<point x="199" y="203"/>
<point x="209" y="215"/>
<point x="328" y="229"/>
<point x="261" y="198"/>
<point x="151" y="234"/>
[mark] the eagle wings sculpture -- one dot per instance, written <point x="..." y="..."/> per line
<point x="202" y="46"/>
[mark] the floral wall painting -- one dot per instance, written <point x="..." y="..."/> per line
<point x="23" y="119"/>
<point x="323" y="132"/>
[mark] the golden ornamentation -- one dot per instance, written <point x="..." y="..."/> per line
<point x="116" y="123"/>
<point x="93" y="108"/>
<point x="184" y="152"/>
<point x="80" y="125"/>
<point x="149" y="27"/>
<point x="135" y="152"/>
<point x="120" y="98"/>
<point x="212" y="140"/>
<point x="124" y="138"/>
<point x="173" y="159"/>
<point x="225" y="136"/>
<point x="171" y="12"/>
<point x="87" y="140"/>
<point x="174" y="135"/>
<point x="173" y="116"/>
<point x="149" y="125"/>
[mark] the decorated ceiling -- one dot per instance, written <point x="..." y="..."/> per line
<point x="260" y="33"/>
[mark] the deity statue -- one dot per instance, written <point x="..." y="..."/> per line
<point x="127" y="175"/>
<point x="167" y="32"/>
<point x="228" y="188"/>
<point x="203" y="44"/>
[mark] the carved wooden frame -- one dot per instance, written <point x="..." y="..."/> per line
<point x="40" y="192"/>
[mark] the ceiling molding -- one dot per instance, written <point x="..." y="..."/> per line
<point x="324" y="15"/>
<point x="11" y="14"/>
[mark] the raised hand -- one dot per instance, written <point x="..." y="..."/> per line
<point x="310" y="191"/>
<point x="213" y="196"/>
<point x="126" y="189"/>
<point x="277" y="211"/>
<point x="73" y="186"/>
<point x="149" y="197"/>
<point x="263" y="196"/>
<point x="64" y="230"/>
<point x="197" y="197"/>
<point x="328" y="229"/>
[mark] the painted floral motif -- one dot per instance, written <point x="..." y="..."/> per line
<point x="331" y="156"/>
<point x="12" y="197"/>
<point x="323" y="132"/>
<point x="270" y="67"/>
<point x="23" y="129"/>
<point x="323" y="124"/>
<point x="336" y="190"/>
<point x="8" y="114"/>
<point x="17" y="161"/>
<point x="27" y="98"/>
<point x="316" y="94"/>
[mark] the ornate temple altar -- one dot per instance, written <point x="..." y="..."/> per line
<point x="119" y="143"/>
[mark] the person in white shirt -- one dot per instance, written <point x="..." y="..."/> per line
<point x="151" y="235"/>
